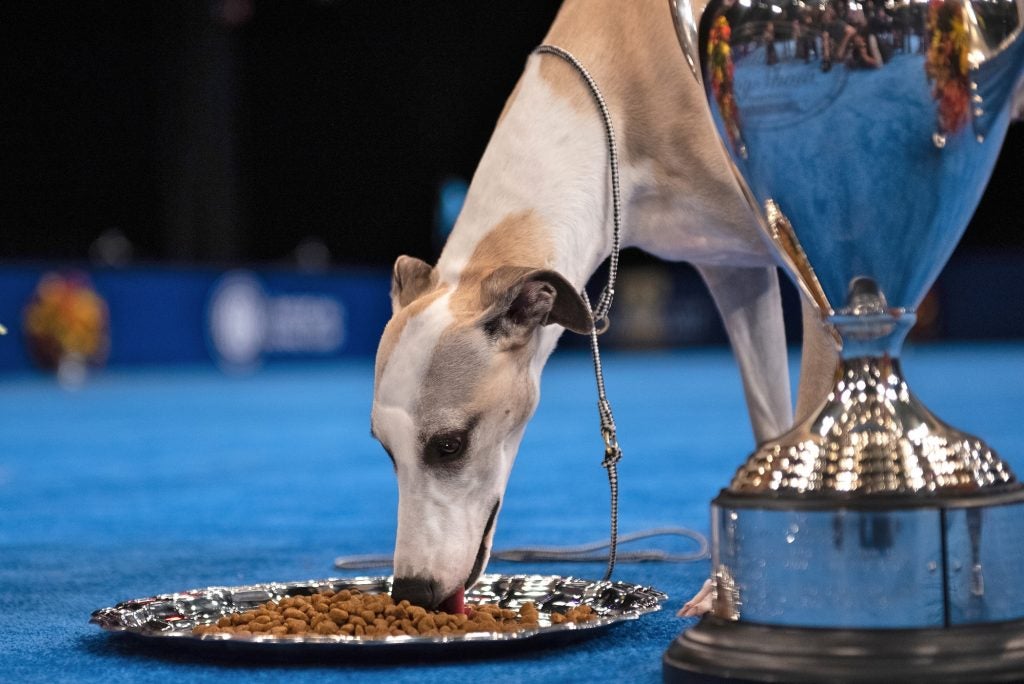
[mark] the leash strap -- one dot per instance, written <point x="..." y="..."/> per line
<point x="612" y="452"/>
<point x="584" y="553"/>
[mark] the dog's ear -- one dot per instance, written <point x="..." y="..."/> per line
<point x="410" y="278"/>
<point x="519" y="300"/>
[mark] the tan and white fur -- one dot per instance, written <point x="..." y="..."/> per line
<point x="459" y="364"/>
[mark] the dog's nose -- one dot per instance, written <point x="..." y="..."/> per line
<point x="416" y="590"/>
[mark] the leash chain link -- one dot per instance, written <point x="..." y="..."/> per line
<point x="612" y="452"/>
<point x="604" y="302"/>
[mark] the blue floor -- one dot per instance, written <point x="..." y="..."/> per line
<point x="159" y="480"/>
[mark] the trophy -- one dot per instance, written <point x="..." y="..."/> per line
<point x="872" y="541"/>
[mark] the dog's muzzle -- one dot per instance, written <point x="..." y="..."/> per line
<point x="418" y="591"/>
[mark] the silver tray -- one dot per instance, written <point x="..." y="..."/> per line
<point x="172" y="616"/>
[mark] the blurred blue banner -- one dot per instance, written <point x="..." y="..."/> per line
<point x="242" y="319"/>
<point x="238" y="319"/>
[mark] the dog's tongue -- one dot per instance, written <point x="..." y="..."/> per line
<point x="456" y="603"/>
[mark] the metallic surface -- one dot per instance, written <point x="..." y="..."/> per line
<point x="874" y="177"/>
<point x="782" y="235"/>
<point x="843" y="547"/>
<point x="984" y="560"/>
<point x="840" y="568"/>
<point x="717" y="650"/>
<point x="174" y="615"/>
<point x="864" y="177"/>
<point x="872" y="436"/>
<point x="880" y="566"/>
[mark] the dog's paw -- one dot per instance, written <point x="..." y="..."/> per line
<point x="699" y="604"/>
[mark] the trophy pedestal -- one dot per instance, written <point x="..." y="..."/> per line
<point x="875" y="589"/>
<point x="718" y="650"/>
<point x="872" y="542"/>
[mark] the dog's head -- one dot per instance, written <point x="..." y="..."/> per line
<point x="456" y="381"/>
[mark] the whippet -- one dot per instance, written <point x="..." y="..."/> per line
<point x="458" y="366"/>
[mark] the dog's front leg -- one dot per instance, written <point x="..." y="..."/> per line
<point x="750" y="303"/>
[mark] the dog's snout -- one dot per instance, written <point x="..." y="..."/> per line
<point x="416" y="590"/>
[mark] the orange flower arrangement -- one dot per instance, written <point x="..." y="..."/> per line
<point x="66" y="319"/>
<point x="722" y="69"/>
<point x="947" y="65"/>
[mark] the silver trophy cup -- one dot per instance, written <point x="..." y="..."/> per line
<point x="872" y="541"/>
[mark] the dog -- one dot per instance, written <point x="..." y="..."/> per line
<point x="458" y="367"/>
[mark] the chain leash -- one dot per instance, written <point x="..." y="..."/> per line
<point x="612" y="451"/>
<point x="604" y="302"/>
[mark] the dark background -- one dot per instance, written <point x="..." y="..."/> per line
<point x="230" y="131"/>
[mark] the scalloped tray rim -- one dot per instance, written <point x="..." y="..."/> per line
<point x="102" y="617"/>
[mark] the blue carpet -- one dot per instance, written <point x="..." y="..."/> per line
<point x="159" y="480"/>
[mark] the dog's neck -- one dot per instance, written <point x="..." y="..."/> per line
<point x="540" y="196"/>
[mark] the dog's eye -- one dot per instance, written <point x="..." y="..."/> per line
<point x="449" y="446"/>
<point x="445" y="447"/>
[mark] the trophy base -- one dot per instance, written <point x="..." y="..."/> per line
<point x="869" y="589"/>
<point x="720" y="650"/>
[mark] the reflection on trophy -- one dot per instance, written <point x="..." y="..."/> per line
<point x="872" y="541"/>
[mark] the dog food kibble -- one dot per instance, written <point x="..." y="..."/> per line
<point x="352" y="613"/>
